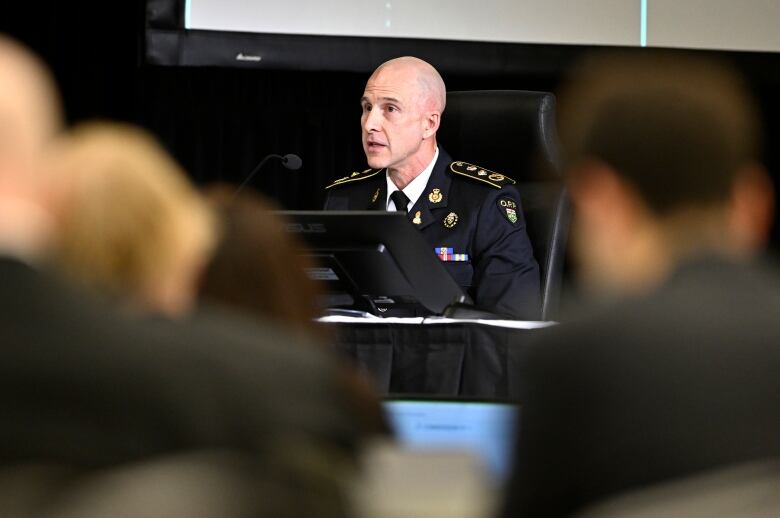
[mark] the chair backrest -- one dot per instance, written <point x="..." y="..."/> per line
<point x="513" y="132"/>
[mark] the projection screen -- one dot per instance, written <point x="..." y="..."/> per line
<point x="460" y="35"/>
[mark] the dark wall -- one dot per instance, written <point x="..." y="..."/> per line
<point x="220" y="122"/>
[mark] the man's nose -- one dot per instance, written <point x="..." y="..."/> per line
<point x="371" y="120"/>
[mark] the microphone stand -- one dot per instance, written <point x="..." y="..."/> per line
<point x="254" y="172"/>
<point x="290" y="161"/>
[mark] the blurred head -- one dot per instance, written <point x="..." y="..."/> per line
<point x="131" y="224"/>
<point x="402" y="106"/>
<point x="30" y="114"/>
<point x="29" y="119"/>
<point x="257" y="267"/>
<point x="662" y="164"/>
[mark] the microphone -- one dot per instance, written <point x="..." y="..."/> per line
<point x="290" y="161"/>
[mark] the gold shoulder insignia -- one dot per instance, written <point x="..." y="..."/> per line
<point x="481" y="174"/>
<point x="355" y="177"/>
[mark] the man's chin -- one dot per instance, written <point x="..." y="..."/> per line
<point x="375" y="162"/>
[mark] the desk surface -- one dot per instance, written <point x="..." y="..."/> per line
<point x="370" y="319"/>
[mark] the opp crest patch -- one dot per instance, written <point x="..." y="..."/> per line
<point x="508" y="208"/>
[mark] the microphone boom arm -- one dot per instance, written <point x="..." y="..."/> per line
<point x="290" y="161"/>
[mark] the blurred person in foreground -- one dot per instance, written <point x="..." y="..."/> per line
<point x="676" y="370"/>
<point x="257" y="267"/>
<point x="87" y="388"/>
<point x="131" y="226"/>
<point x="30" y="117"/>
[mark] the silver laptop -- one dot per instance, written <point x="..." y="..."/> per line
<point x="486" y="428"/>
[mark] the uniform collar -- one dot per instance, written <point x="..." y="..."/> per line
<point x="378" y="192"/>
<point x="416" y="187"/>
<point x="435" y="195"/>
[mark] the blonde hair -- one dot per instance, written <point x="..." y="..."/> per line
<point x="132" y="225"/>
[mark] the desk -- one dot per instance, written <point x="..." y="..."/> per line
<point x="437" y="355"/>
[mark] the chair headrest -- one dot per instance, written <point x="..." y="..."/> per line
<point x="509" y="131"/>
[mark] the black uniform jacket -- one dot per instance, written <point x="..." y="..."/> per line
<point x="650" y="389"/>
<point x="474" y="212"/>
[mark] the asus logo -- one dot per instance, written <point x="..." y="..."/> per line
<point x="308" y="228"/>
<point x="248" y="57"/>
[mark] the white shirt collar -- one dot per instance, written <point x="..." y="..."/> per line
<point x="416" y="187"/>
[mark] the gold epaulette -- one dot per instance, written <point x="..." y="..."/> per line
<point x="355" y="177"/>
<point x="481" y="174"/>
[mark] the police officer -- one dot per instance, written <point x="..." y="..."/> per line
<point x="470" y="215"/>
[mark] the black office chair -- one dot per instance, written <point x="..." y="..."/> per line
<point x="513" y="132"/>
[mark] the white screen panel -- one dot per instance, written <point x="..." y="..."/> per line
<point x="603" y="22"/>
<point x="706" y="24"/>
<point x="714" y="24"/>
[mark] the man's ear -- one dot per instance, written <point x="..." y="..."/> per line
<point x="431" y="123"/>
<point x="751" y="209"/>
<point x="607" y="218"/>
<point x="601" y="196"/>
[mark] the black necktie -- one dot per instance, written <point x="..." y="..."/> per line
<point x="401" y="201"/>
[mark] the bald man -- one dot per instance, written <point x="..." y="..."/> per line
<point x="471" y="216"/>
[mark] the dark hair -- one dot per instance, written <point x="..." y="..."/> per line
<point x="257" y="268"/>
<point x="676" y="126"/>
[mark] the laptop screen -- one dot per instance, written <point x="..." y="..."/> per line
<point x="485" y="428"/>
